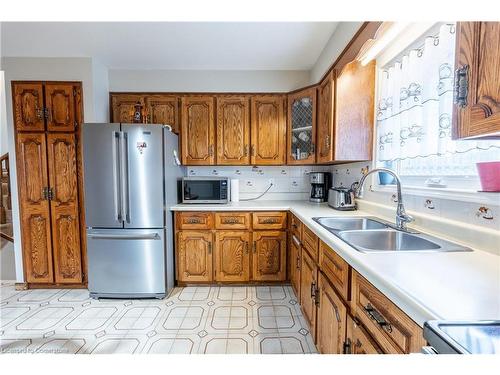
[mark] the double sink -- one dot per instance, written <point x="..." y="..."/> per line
<point x="369" y="234"/>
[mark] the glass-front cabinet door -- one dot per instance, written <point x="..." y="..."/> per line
<point x="301" y="127"/>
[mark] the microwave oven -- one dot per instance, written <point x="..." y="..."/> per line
<point x="205" y="190"/>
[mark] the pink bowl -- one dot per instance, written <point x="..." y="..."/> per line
<point x="489" y="174"/>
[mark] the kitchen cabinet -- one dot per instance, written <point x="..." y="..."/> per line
<point x="310" y="242"/>
<point x="268" y="130"/>
<point x="269" y="220"/>
<point x="232" y="220"/>
<point x="326" y="113"/>
<point x="198" y="130"/>
<point x="163" y="109"/>
<point x="194" y="256"/>
<point x="301" y="139"/>
<point x="477" y="90"/>
<point x="358" y="341"/>
<point x="60" y="106"/>
<point x="331" y="321"/>
<point x="233" y="130"/>
<point x="336" y="268"/>
<point x="269" y="255"/>
<point x="308" y="290"/>
<point x="232" y="256"/>
<point x="294" y="258"/>
<point x="28" y="108"/>
<point x="127" y="108"/>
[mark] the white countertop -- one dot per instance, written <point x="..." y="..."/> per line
<point x="425" y="285"/>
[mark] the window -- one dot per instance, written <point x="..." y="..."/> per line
<point x="414" y="116"/>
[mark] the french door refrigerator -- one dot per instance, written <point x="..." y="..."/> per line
<point x="130" y="180"/>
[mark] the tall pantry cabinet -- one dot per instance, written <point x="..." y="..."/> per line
<point x="47" y="118"/>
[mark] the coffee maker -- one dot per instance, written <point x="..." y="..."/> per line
<point x="320" y="183"/>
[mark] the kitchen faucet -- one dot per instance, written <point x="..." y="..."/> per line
<point x="401" y="216"/>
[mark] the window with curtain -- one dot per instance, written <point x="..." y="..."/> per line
<point x="414" y="116"/>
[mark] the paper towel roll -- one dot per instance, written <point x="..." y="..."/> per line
<point x="235" y="190"/>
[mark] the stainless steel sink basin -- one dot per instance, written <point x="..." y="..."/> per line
<point x="346" y="223"/>
<point x="387" y="240"/>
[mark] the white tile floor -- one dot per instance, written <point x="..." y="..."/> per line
<point x="211" y="320"/>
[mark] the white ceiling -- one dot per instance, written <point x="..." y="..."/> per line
<point x="174" y="45"/>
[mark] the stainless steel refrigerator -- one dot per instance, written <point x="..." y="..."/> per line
<point x="130" y="180"/>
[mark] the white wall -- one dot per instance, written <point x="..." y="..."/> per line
<point x="207" y="80"/>
<point x="100" y="80"/>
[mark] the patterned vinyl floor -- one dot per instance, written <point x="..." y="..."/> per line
<point x="204" y="320"/>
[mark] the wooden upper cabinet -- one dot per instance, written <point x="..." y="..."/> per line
<point x="198" y="130"/>
<point x="232" y="256"/>
<point x="28" y="106"/>
<point x="163" y="109"/>
<point x="60" y="106"/>
<point x="326" y="113"/>
<point x="233" y="130"/>
<point x="268" y="130"/>
<point x="33" y="185"/>
<point x="358" y="341"/>
<point x="194" y="251"/>
<point x="269" y="255"/>
<point x="477" y="91"/>
<point x="124" y="108"/>
<point x="64" y="208"/>
<point x="301" y="139"/>
<point x="354" y="112"/>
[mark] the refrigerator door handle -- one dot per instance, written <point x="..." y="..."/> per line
<point x="124" y="176"/>
<point x="116" y="177"/>
<point x="142" y="236"/>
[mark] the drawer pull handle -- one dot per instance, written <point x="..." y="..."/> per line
<point x="246" y="246"/>
<point x="377" y="318"/>
<point x="270" y="221"/>
<point x="230" y="220"/>
<point x="193" y="221"/>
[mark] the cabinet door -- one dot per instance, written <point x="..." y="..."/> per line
<point x="64" y="208"/>
<point x="197" y="133"/>
<point x="194" y="256"/>
<point x="268" y="130"/>
<point x="358" y="340"/>
<point x="269" y="256"/>
<point x="232" y="256"/>
<point x="60" y="104"/>
<point x="163" y="109"/>
<point x="233" y="131"/>
<point x="308" y="286"/>
<point x="28" y="106"/>
<point x="354" y="112"/>
<point x="35" y="221"/>
<point x="295" y="250"/>
<point x="301" y="139"/>
<point x="326" y="111"/>
<point x="127" y="108"/>
<point x="332" y="315"/>
<point x="478" y="71"/>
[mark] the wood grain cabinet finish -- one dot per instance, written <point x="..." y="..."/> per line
<point x="325" y="121"/>
<point x="194" y="256"/>
<point x="294" y="259"/>
<point x="268" y="133"/>
<point x="28" y="106"/>
<point x="335" y="268"/>
<point x="295" y="227"/>
<point x="123" y="107"/>
<point x="354" y="112"/>
<point x="358" y="341"/>
<point x="194" y="220"/>
<point x="391" y="328"/>
<point x="301" y="130"/>
<point x="269" y="256"/>
<point x="232" y="220"/>
<point x="308" y="289"/>
<point x="310" y="242"/>
<point x="478" y="74"/>
<point x="60" y="105"/>
<point x="232" y="256"/>
<point x="233" y="130"/>
<point x="33" y="183"/>
<point x="163" y="109"/>
<point x="198" y="130"/>
<point x="64" y="208"/>
<point x="269" y="220"/>
<point x="332" y="315"/>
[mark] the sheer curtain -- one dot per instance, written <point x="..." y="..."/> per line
<point x="414" y="113"/>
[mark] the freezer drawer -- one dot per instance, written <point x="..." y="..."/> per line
<point x="126" y="263"/>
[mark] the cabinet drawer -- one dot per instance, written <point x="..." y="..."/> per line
<point x="393" y="330"/>
<point x="269" y="220"/>
<point x="194" y="220"/>
<point x="335" y="268"/>
<point x="310" y="242"/>
<point x="296" y="227"/>
<point x="232" y="220"/>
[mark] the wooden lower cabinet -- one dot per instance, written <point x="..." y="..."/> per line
<point x="269" y="256"/>
<point x="358" y="341"/>
<point x="294" y="256"/>
<point x="194" y="256"/>
<point x="308" y="288"/>
<point x="331" y="320"/>
<point x="232" y="256"/>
